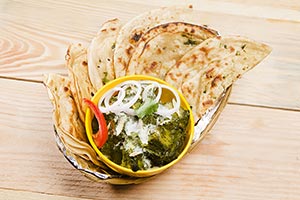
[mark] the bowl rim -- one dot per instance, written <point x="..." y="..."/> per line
<point x="118" y="168"/>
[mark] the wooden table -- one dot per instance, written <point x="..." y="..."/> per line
<point x="253" y="151"/>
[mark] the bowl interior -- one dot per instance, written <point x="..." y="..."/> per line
<point x="165" y="98"/>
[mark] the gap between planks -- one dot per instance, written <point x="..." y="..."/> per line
<point x="20" y="79"/>
<point x="263" y="106"/>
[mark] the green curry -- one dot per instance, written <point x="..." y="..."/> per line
<point x="159" y="141"/>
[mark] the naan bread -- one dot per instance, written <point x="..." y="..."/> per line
<point x="131" y="32"/>
<point x="162" y="46"/>
<point x="66" y="119"/>
<point x="100" y="54"/>
<point x="205" y="72"/>
<point x="81" y="85"/>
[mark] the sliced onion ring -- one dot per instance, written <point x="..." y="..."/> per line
<point x="107" y="97"/>
<point x="137" y="94"/>
<point x="150" y="86"/>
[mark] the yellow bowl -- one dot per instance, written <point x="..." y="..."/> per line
<point x="124" y="170"/>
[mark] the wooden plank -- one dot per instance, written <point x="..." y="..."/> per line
<point x="251" y="153"/>
<point x="13" y="194"/>
<point x="283" y="10"/>
<point x="288" y="4"/>
<point x="32" y="43"/>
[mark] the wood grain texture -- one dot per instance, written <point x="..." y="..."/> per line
<point x="34" y="37"/>
<point x="12" y="194"/>
<point x="251" y="153"/>
<point x="283" y="10"/>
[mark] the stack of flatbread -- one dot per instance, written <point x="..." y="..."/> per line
<point x="162" y="43"/>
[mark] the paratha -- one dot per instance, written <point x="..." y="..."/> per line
<point x="162" y="46"/>
<point x="132" y="31"/>
<point x="100" y="54"/>
<point x="66" y="118"/>
<point x="206" y="71"/>
<point x="81" y="85"/>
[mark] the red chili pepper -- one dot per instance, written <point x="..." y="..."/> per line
<point x="101" y="136"/>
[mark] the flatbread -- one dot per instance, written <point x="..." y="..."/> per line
<point x="81" y="85"/>
<point x="205" y="72"/>
<point x="100" y="54"/>
<point x="132" y="31"/>
<point x="162" y="46"/>
<point x="65" y="111"/>
<point x="66" y="118"/>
